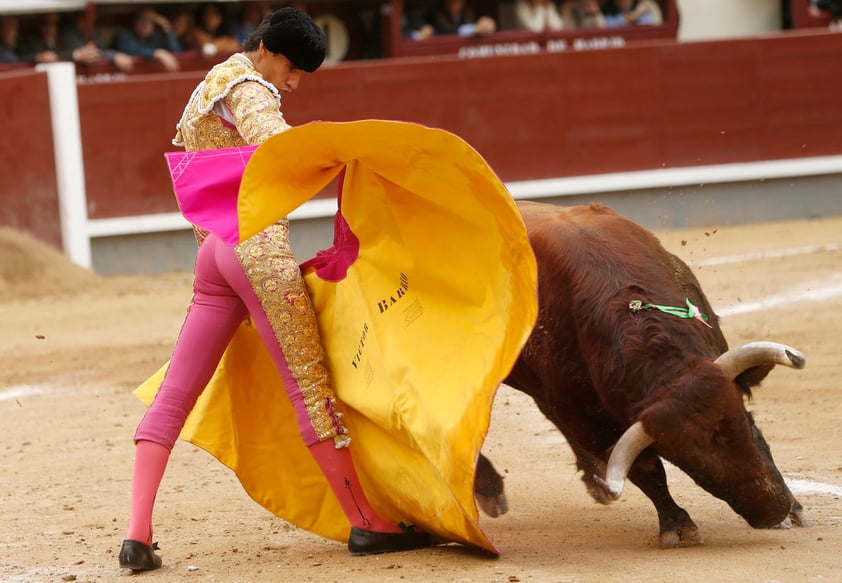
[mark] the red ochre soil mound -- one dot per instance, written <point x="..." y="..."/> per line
<point x="32" y="269"/>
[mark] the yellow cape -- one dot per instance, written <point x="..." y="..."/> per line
<point x="421" y="330"/>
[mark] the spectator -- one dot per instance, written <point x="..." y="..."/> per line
<point x="51" y="42"/>
<point x="582" y="14"/>
<point x="183" y="23"/>
<point x="631" y="12"/>
<point x="412" y="19"/>
<point x="88" y="47"/>
<point x="9" y="27"/>
<point x="211" y="34"/>
<point x="826" y="8"/>
<point x="537" y="15"/>
<point x="453" y="17"/>
<point x="150" y="36"/>
<point x="251" y="14"/>
<point x="41" y="44"/>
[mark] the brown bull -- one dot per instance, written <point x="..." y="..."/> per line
<point x="628" y="383"/>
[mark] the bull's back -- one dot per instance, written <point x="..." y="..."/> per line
<point x="592" y="263"/>
<point x="558" y="229"/>
<point x="594" y="253"/>
<point x="579" y="270"/>
<point x="596" y="244"/>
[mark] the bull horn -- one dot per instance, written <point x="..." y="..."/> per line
<point x="738" y="360"/>
<point x="628" y="447"/>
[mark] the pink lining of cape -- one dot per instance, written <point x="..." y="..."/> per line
<point x="206" y="184"/>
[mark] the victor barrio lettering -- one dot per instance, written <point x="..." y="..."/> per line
<point x="386" y="303"/>
<point x="358" y="355"/>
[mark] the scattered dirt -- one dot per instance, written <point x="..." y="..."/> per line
<point x="73" y="345"/>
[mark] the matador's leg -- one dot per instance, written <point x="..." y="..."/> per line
<point x="211" y="320"/>
<point x="266" y="276"/>
<point x="270" y="283"/>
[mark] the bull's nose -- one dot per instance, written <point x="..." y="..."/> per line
<point x="773" y="516"/>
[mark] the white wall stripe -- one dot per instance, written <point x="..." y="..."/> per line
<point x="67" y="151"/>
<point x="667" y="177"/>
<point x="530" y="189"/>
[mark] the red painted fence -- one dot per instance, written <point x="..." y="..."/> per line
<point x="647" y="106"/>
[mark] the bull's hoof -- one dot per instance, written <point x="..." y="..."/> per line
<point x="493" y="506"/>
<point x="678" y="529"/>
<point x="489" y="492"/>
<point x="681" y="537"/>
<point x="797" y="517"/>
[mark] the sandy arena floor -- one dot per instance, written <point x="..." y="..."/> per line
<point x="73" y="346"/>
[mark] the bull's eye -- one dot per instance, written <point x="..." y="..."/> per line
<point x="720" y="438"/>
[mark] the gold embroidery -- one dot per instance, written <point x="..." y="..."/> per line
<point x="253" y="103"/>
<point x="276" y="279"/>
<point x="252" y="108"/>
<point x="208" y="133"/>
<point x="200" y="234"/>
<point x="256" y="112"/>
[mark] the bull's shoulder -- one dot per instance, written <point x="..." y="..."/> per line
<point x="595" y="248"/>
<point x="541" y="213"/>
<point x="563" y="225"/>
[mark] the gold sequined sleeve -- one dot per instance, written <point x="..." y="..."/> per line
<point x="255" y="111"/>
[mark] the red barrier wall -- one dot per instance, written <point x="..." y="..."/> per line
<point x="640" y="107"/>
<point x="28" y="191"/>
<point x="126" y="128"/>
<point x="547" y="115"/>
<point x="647" y="106"/>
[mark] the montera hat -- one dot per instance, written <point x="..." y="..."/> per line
<point x="293" y="34"/>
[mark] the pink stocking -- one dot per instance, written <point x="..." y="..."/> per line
<point x="336" y="464"/>
<point x="338" y="467"/>
<point x="222" y="297"/>
<point x="211" y="319"/>
<point x="149" y="465"/>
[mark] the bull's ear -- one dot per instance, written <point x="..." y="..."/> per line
<point x="688" y="409"/>
<point x="663" y="419"/>
<point x="752" y="378"/>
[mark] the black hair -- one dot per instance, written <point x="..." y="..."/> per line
<point x="292" y="33"/>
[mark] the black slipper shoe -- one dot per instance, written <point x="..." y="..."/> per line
<point x="367" y="542"/>
<point x="139" y="556"/>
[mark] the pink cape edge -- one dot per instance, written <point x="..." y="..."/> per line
<point x="206" y="184"/>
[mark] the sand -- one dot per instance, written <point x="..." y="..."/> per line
<point x="73" y="345"/>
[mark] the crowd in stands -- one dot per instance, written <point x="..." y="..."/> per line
<point x="158" y="33"/>
<point x="822" y="8"/>
<point x="459" y="17"/>
<point x="211" y="28"/>
<point x="150" y="34"/>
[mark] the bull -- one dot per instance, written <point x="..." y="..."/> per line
<point x="629" y="379"/>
